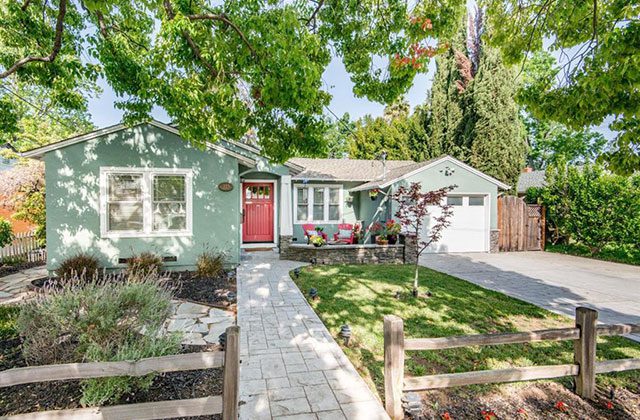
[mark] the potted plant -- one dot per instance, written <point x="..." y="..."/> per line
<point x="357" y="233"/>
<point x="379" y="230"/>
<point x="373" y="194"/>
<point x="319" y="229"/>
<point x="317" y="241"/>
<point x="393" y="230"/>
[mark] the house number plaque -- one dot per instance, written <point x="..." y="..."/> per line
<point x="225" y="186"/>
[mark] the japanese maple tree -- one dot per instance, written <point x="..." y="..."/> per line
<point x="414" y="207"/>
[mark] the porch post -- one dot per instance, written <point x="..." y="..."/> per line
<point x="286" y="221"/>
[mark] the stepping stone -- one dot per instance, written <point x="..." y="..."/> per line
<point x="5" y="295"/>
<point x="198" y="328"/>
<point x="192" y="308"/>
<point x="180" y="324"/>
<point x="218" y="313"/>
<point x="193" y="339"/>
<point x="215" y="330"/>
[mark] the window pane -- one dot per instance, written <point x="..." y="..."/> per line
<point x="124" y="216"/>
<point x="334" y="212"/>
<point x="303" y="195"/>
<point x="454" y="201"/>
<point x="169" y="216"/>
<point x="476" y="201"/>
<point x="334" y="196"/>
<point x="318" y="196"/>
<point x="302" y="212"/>
<point x="125" y="187"/>
<point x="169" y="188"/>
<point x="318" y="212"/>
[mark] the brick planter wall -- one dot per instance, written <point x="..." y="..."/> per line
<point x="344" y="254"/>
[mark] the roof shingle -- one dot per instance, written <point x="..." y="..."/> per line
<point x="359" y="170"/>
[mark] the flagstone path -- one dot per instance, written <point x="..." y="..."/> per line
<point x="291" y="367"/>
<point x="14" y="287"/>
<point x="200" y="324"/>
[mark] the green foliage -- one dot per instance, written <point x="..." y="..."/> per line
<point x="626" y="254"/>
<point x="600" y="74"/>
<point x="249" y="64"/>
<point x="84" y="265"/>
<point x="31" y="207"/>
<point x="6" y="232"/>
<point x="210" y="264"/>
<point x="591" y="207"/>
<point x="106" y="320"/>
<point x="336" y="137"/>
<point x="144" y="264"/>
<point x="8" y="317"/>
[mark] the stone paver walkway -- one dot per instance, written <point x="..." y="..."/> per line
<point x="14" y="286"/>
<point x="291" y="367"/>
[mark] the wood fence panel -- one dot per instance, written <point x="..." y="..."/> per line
<point x="24" y="246"/>
<point x="521" y="225"/>
<point x="231" y="385"/>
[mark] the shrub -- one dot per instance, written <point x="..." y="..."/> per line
<point x="6" y="232"/>
<point x="210" y="264"/>
<point x="8" y="316"/>
<point x="99" y="320"/>
<point x="144" y="264"/>
<point x="80" y="265"/>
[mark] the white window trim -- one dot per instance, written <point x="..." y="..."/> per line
<point x="310" y="203"/>
<point x="147" y="201"/>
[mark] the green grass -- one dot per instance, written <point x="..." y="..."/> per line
<point x="8" y="315"/>
<point x="361" y="295"/>
<point x="625" y="254"/>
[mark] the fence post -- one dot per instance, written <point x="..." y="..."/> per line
<point x="230" y="389"/>
<point x="585" y="352"/>
<point x="393" y="365"/>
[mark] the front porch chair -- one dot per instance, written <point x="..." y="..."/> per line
<point x="344" y="239"/>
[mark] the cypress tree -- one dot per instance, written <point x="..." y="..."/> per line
<point x="493" y="126"/>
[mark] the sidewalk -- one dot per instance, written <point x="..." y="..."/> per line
<point x="14" y="286"/>
<point x="291" y="367"/>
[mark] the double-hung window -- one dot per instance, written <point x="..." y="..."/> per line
<point x="138" y="202"/>
<point x="318" y="203"/>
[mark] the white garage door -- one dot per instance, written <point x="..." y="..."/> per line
<point x="469" y="229"/>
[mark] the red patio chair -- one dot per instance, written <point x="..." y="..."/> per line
<point x="309" y="227"/>
<point x="345" y="226"/>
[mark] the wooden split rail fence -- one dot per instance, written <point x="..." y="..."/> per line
<point x="584" y="368"/>
<point x="24" y="246"/>
<point x="225" y="404"/>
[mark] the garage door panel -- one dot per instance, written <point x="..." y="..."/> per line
<point x="468" y="231"/>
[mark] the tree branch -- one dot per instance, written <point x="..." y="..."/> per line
<point x="225" y="19"/>
<point x="57" y="44"/>
<point x="315" y="12"/>
<point x="194" y="47"/>
<point x="25" y="5"/>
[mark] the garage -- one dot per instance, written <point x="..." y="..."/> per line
<point x="469" y="229"/>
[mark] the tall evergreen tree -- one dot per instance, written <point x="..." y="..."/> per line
<point x="496" y="132"/>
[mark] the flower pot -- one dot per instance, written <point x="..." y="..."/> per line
<point x="393" y="239"/>
<point x="373" y="197"/>
<point x="381" y="241"/>
<point x="317" y="245"/>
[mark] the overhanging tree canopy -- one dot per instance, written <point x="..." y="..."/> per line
<point x="222" y="68"/>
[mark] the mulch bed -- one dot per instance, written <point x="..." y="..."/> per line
<point x="7" y="269"/>
<point x="534" y="400"/>
<point x="60" y="395"/>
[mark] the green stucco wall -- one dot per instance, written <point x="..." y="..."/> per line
<point x="467" y="182"/>
<point x="72" y="179"/>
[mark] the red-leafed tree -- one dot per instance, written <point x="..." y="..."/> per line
<point x="414" y="206"/>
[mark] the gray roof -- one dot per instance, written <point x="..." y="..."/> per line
<point x="393" y="174"/>
<point x="530" y="179"/>
<point x="358" y="170"/>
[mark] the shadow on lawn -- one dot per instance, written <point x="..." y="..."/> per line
<point x="362" y="295"/>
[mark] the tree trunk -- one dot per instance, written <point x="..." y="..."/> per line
<point x="415" y="282"/>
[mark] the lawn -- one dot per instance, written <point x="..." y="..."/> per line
<point x="625" y="254"/>
<point x="361" y="295"/>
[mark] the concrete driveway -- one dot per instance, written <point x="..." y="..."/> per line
<point x="553" y="281"/>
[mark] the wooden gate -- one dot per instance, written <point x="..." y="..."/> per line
<point x="522" y="225"/>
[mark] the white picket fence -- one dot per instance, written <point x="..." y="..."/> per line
<point x="24" y="246"/>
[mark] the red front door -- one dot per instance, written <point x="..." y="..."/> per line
<point x="257" y="207"/>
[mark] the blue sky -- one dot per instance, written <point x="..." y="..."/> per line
<point x="336" y="80"/>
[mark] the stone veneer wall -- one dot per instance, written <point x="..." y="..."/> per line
<point x="494" y="241"/>
<point x="348" y="254"/>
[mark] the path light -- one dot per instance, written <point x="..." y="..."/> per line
<point x="231" y="297"/>
<point x="398" y="295"/>
<point x="313" y="261"/>
<point x="231" y="274"/>
<point x="412" y="404"/>
<point x="222" y="339"/>
<point x="296" y="272"/>
<point x="313" y="293"/>
<point x="345" y="333"/>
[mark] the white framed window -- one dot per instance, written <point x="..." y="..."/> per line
<point x="318" y="203"/>
<point x="142" y="202"/>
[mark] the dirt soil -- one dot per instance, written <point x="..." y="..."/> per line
<point x="212" y="291"/>
<point x="59" y="395"/>
<point x="536" y="400"/>
<point x="6" y="269"/>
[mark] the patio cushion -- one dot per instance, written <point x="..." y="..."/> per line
<point x="311" y="233"/>
<point x="344" y="234"/>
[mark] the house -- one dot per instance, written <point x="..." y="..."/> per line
<point x="530" y="178"/>
<point x="123" y="190"/>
